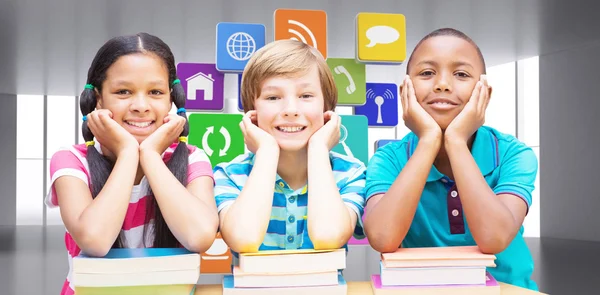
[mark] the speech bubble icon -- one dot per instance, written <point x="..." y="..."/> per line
<point x="382" y="35"/>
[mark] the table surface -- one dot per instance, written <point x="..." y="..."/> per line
<point x="362" y="288"/>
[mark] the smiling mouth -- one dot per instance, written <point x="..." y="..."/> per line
<point x="291" y="129"/>
<point x="442" y="103"/>
<point x="139" y="124"/>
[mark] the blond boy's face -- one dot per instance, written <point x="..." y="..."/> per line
<point x="291" y="109"/>
<point x="444" y="71"/>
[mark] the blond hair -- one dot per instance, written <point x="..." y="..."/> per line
<point x="285" y="58"/>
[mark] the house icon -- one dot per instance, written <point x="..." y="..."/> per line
<point x="200" y="86"/>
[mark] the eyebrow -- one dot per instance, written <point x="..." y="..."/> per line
<point x="304" y="85"/>
<point x="454" y="64"/>
<point x="269" y="88"/>
<point x="127" y="83"/>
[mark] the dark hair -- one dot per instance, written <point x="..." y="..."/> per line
<point x="99" y="165"/>
<point x="448" y="32"/>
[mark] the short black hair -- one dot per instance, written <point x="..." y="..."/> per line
<point x="448" y="32"/>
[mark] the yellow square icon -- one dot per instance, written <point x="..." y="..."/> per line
<point x="380" y="37"/>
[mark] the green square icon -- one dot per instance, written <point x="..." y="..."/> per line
<point x="219" y="135"/>
<point x="354" y="137"/>
<point x="350" y="79"/>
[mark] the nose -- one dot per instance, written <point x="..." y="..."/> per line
<point x="442" y="84"/>
<point x="140" y="103"/>
<point x="291" y="107"/>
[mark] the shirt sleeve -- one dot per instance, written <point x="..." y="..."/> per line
<point x="226" y="190"/>
<point x="383" y="168"/>
<point x="199" y="165"/>
<point x="64" y="163"/>
<point x="517" y="174"/>
<point x="352" y="193"/>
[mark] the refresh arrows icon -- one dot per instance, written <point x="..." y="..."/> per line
<point x="206" y="146"/>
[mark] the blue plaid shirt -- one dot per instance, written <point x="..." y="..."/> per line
<point x="287" y="227"/>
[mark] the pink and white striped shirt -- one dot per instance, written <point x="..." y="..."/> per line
<point x="72" y="161"/>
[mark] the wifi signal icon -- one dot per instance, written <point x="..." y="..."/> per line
<point x="379" y="100"/>
<point x="299" y="35"/>
<point x="307" y="26"/>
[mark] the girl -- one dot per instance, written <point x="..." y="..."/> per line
<point x="452" y="181"/>
<point x="135" y="182"/>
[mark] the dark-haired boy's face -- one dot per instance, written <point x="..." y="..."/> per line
<point x="444" y="71"/>
<point x="137" y="92"/>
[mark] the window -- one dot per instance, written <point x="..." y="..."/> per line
<point x="501" y="113"/>
<point x="529" y="127"/>
<point x="30" y="159"/>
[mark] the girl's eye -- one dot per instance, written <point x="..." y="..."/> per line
<point x="426" y="73"/>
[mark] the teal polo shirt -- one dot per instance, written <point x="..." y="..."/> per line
<point x="508" y="166"/>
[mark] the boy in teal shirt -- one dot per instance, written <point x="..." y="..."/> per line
<point x="452" y="181"/>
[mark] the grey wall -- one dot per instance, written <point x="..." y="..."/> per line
<point x="8" y="45"/>
<point x="569" y="143"/>
<point x="8" y="159"/>
<point x="55" y="41"/>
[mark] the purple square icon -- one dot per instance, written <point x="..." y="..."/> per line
<point x="203" y="86"/>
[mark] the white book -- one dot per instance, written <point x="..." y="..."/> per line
<point x="293" y="261"/>
<point x="419" y="276"/>
<point x="247" y="280"/>
<point x="123" y="261"/>
<point x="173" y="277"/>
<point x="338" y="289"/>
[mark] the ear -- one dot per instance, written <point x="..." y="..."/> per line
<point x="98" y="99"/>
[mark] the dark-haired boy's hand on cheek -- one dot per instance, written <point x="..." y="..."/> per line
<point x="414" y="116"/>
<point x="472" y="116"/>
<point x="109" y="133"/>
<point x="327" y="136"/>
<point x="165" y="135"/>
<point x="254" y="137"/>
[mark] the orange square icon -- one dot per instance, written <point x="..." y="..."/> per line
<point x="308" y="26"/>
<point x="217" y="259"/>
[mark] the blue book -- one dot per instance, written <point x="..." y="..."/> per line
<point x="341" y="288"/>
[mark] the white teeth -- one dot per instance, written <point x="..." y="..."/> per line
<point x="290" y="129"/>
<point x="139" y="124"/>
<point x="441" y="102"/>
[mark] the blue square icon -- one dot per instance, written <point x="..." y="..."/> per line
<point x="381" y="107"/>
<point x="239" y="79"/>
<point x="236" y="42"/>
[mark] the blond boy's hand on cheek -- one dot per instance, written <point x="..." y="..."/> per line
<point x="472" y="116"/>
<point x="254" y="137"/>
<point x="327" y="136"/>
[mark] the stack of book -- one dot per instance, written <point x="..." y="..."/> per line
<point x="437" y="270"/>
<point x="288" y="272"/>
<point x="137" y="271"/>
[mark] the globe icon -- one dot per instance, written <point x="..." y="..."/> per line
<point x="240" y="46"/>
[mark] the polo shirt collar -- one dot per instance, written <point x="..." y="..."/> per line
<point x="484" y="151"/>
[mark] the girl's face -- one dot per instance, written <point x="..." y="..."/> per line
<point x="137" y="92"/>
<point x="444" y="71"/>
